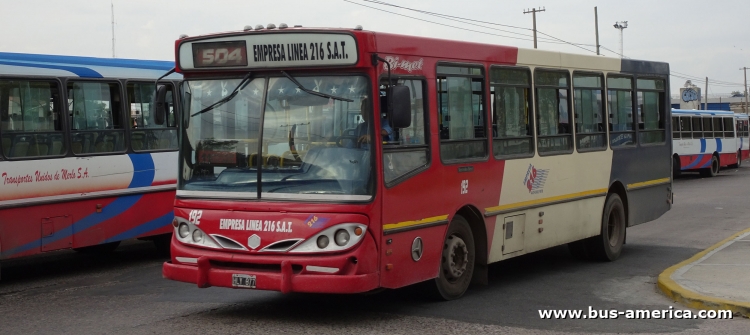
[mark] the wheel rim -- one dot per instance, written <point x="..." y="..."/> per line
<point x="455" y="257"/>
<point x="613" y="227"/>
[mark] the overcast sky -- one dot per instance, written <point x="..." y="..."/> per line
<point x="697" y="38"/>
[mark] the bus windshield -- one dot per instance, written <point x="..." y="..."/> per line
<point x="311" y="147"/>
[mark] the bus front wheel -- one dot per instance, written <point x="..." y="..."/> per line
<point x="457" y="261"/>
<point x="739" y="161"/>
<point x="608" y="245"/>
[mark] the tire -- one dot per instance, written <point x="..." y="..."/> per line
<point x="103" y="248"/>
<point x="676" y="167"/>
<point x="739" y="161"/>
<point x="713" y="170"/>
<point x="457" y="261"/>
<point x="608" y="245"/>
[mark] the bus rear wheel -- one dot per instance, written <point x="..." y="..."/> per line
<point x="457" y="261"/>
<point x="712" y="170"/>
<point x="608" y="245"/>
<point x="676" y="167"/>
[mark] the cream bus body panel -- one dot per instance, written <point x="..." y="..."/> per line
<point x="572" y="201"/>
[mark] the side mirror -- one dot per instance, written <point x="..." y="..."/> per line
<point x="399" y="106"/>
<point x="159" y="106"/>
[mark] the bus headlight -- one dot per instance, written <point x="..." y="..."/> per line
<point x="183" y="230"/>
<point x="197" y="235"/>
<point x="344" y="236"/>
<point x="190" y="234"/>
<point x="341" y="237"/>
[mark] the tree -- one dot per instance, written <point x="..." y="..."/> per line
<point x="737" y="94"/>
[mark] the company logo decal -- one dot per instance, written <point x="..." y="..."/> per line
<point x="405" y="65"/>
<point x="314" y="221"/>
<point x="535" y="179"/>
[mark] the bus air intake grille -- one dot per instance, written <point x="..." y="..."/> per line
<point x="281" y="246"/>
<point x="227" y="243"/>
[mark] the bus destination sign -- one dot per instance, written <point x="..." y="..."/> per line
<point x="220" y="54"/>
<point x="276" y="50"/>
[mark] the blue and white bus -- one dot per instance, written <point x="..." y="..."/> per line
<point x="705" y="141"/>
<point x="83" y="163"/>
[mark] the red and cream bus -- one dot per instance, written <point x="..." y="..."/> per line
<point x="475" y="154"/>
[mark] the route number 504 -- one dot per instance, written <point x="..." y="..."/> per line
<point x="221" y="56"/>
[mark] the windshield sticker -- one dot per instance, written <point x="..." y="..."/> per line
<point x="314" y="221"/>
<point x="256" y="225"/>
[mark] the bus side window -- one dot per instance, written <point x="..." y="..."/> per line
<point x="461" y="112"/>
<point x="651" y="106"/>
<point x="512" y="122"/>
<point x="620" y="102"/>
<point x="146" y="134"/>
<point x="555" y="134"/>
<point x="30" y="119"/>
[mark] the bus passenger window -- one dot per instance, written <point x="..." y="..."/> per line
<point x="553" y="112"/>
<point x="620" y="102"/>
<point x="95" y="110"/>
<point x="728" y="127"/>
<point x="512" y="128"/>
<point x="461" y="112"/>
<point x="146" y="135"/>
<point x="651" y="106"/>
<point x="686" y="127"/>
<point x="30" y="119"/>
<point x="589" y="111"/>
<point x="676" y="127"/>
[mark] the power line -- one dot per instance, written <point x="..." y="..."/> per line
<point x="551" y="39"/>
<point x="455" y="18"/>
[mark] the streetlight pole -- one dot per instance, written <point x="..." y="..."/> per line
<point x="621" y="25"/>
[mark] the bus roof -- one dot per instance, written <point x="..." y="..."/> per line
<point x="701" y="112"/>
<point x="417" y="46"/>
<point x="741" y="116"/>
<point x="83" y="67"/>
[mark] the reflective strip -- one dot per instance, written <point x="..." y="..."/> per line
<point x="426" y="221"/>
<point x="313" y="268"/>
<point x="545" y="201"/>
<point x="648" y="183"/>
<point x="187" y="260"/>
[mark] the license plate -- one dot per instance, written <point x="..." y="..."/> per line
<point x="244" y="281"/>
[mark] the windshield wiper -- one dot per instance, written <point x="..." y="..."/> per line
<point x="246" y="80"/>
<point x="308" y="91"/>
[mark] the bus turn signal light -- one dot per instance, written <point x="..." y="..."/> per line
<point x="358" y="231"/>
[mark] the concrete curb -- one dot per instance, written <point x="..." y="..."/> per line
<point x="696" y="300"/>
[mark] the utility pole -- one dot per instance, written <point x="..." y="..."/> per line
<point x="596" y="28"/>
<point x="745" y="69"/>
<point x="621" y="25"/>
<point x="705" y="106"/>
<point x="533" y="14"/>
<point x="113" y="29"/>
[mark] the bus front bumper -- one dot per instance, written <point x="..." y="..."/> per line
<point x="351" y="272"/>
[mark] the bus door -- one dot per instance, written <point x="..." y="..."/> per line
<point x="414" y="215"/>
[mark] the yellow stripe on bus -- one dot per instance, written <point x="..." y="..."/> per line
<point x="414" y="223"/>
<point x="648" y="183"/>
<point x="543" y="201"/>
